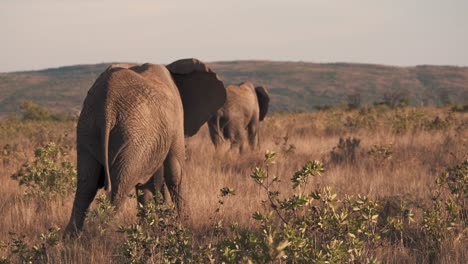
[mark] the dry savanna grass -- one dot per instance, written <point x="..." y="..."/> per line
<point x="412" y="146"/>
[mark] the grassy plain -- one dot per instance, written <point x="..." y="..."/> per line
<point x="400" y="154"/>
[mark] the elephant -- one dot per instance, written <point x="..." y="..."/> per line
<point x="238" y="120"/>
<point x="132" y="127"/>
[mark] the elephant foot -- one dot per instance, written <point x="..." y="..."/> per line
<point x="75" y="225"/>
<point x="71" y="232"/>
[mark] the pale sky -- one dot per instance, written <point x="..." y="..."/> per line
<point x="37" y="34"/>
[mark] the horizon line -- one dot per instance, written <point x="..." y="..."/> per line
<point x="245" y="60"/>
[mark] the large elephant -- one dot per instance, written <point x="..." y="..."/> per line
<point x="131" y="130"/>
<point x="237" y="122"/>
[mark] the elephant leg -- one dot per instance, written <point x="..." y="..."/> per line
<point x="173" y="174"/>
<point x="90" y="179"/>
<point x="124" y="179"/>
<point x="160" y="186"/>
<point x="252" y="130"/>
<point x="126" y="172"/>
<point x="237" y="136"/>
<point x="214" y="129"/>
<point x="144" y="192"/>
<point x="149" y="189"/>
<point x="242" y="139"/>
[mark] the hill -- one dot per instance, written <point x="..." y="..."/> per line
<point x="294" y="86"/>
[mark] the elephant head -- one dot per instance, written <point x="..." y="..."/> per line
<point x="131" y="130"/>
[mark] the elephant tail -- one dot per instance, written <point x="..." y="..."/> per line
<point x="107" y="182"/>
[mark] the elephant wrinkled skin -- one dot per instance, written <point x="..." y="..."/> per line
<point x="131" y="130"/>
<point x="237" y="122"/>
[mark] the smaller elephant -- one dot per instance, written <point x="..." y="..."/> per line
<point x="238" y="120"/>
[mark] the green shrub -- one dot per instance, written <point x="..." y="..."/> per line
<point x="158" y="236"/>
<point x="49" y="175"/>
<point x="102" y="215"/>
<point x="5" y="154"/>
<point x="286" y="147"/>
<point x="33" y="111"/>
<point x="345" y="151"/>
<point x="313" y="225"/>
<point x="19" y="249"/>
<point x="460" y="108"/>
<point x="407" y="120"/>
<point x="439" y="123"/>
<point x="381" y="152"/>
<point x="446" y="218"/>
<point x="305" y="228"/>
<point x="365" y="118"/>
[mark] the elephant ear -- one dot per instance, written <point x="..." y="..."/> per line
<point x="263" y="99"/>
<point x="201" y="91"/>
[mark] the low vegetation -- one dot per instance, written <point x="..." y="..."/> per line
<point x="372" y="184"/>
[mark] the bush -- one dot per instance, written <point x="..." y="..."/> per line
<point x="381" y="152"/>
<point x="345" y="151"/>
<point x="49" y="175"/>
<point x="158" y="236"/>
<point x="312" y="225"/>
<point x="101" y="216"/>
<point x="460" y="108"/>
<point x="354" y="101"/>
<point x="317" y="227"/>
<point x="405" y="120"/>
<point x="366" y="118"/>
<point x="446" y="218"/>
<point x="19" y="250"/>
<point x="307" y="227"/>
<point x="5" y="154"/>
<point x="33" y="111"/>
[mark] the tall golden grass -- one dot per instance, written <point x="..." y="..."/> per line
<point x="419" y="154"/>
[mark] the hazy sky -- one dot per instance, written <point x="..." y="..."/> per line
<point x="48" y="33"/>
